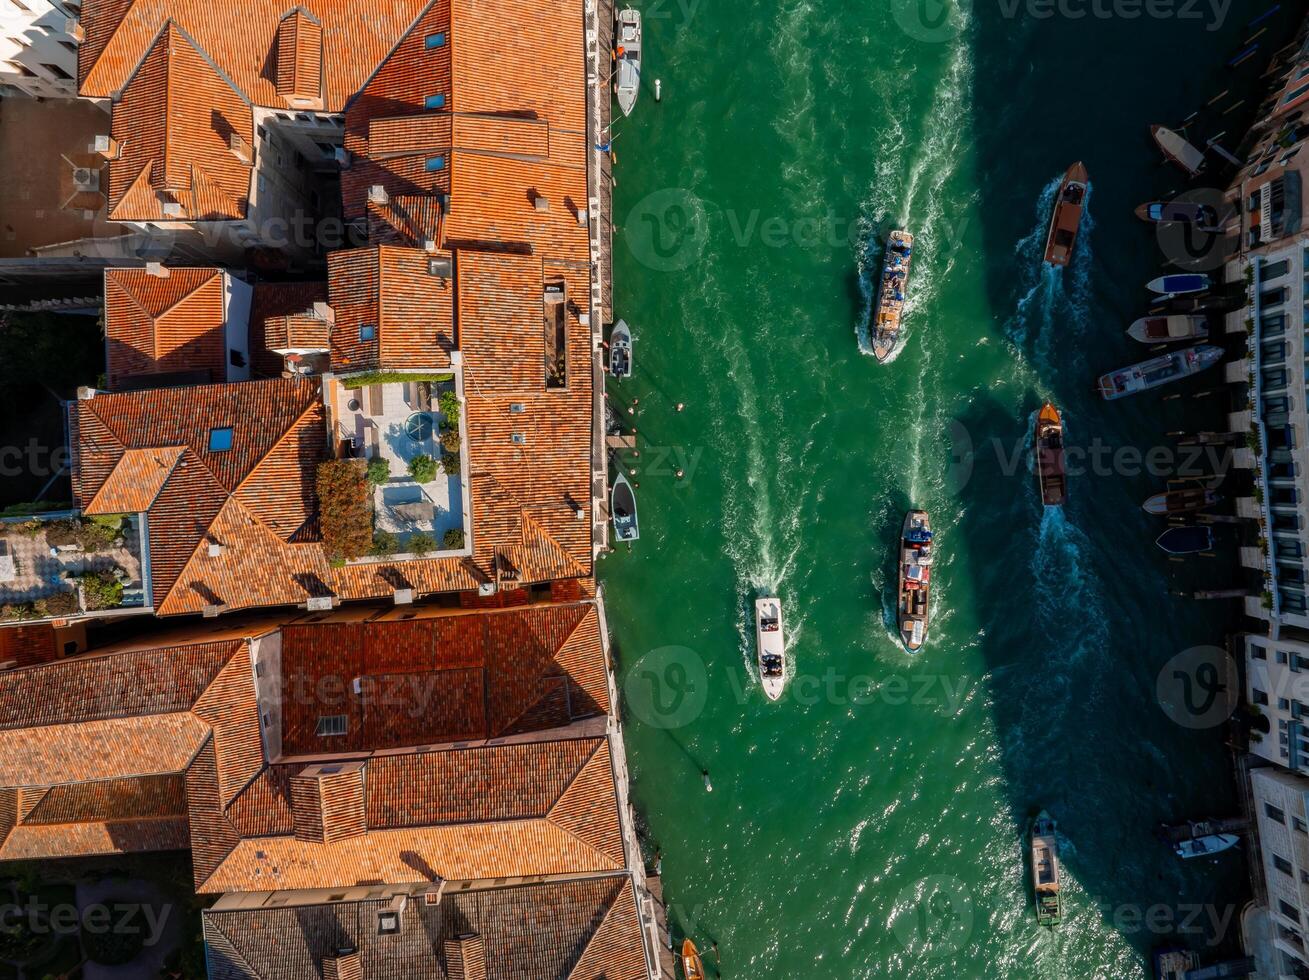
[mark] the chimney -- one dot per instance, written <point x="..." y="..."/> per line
<point x="241" y="148"/>
<point x="465" y="957"/>
<point x="211" y="611"/>
<point x="323" y="311"/>
<point x="404" y="597"/>
<point x="429" y="244"/>
<point x="540" y="201"/>
<point x="327" y="802"/>
<point x="377" y="195"/>
<point x="215" y="549"/>
<point x="342" y="157"/>
<point x="157" y="269"/>
<point x="172" y="209"/>
<point x="345" y="965"/>
<point x="74" y="29"/>
<point x="582" y="217"/>
<point x="106" y="146"/>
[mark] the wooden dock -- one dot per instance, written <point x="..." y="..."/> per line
<point x="667" y="962"/>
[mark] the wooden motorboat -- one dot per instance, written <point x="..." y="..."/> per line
<point x="888" y="306"/>
<point x="1048" y="441"/>
<point x="1169" y="329"/>
<point x="692" y="966"/>
<point x="1067" y="216"/>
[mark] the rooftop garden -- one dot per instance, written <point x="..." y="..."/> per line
<point x="63" y="565"/>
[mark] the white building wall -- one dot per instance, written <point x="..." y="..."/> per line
<point x="38" y="48"/>
<point x="1279" y="800"/>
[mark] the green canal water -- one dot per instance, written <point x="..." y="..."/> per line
<point x="870" y="824"/>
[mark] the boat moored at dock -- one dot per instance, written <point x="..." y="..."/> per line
<point x="1179" y="284"/>
<point x="915" y="579"/>
<point x="1048" y="440"/>
<point x="1184" y="500"/>
<point x="1205" y="846"/>
<point x="1158" y="371"/>
<point x="770" y="640"/>
<point x="627" y="59"/>
<point x="892" y="287"/>
<point x="620" y="350"/>
<point x="1045" y="869"/>
<point x="1202" y="217"/>
<point x="622" y="503"/>
<point x="692" y="967"/>
<point x="1176" y="149"/>
<point x="1169" y="329"/>
<point x="1190" y="539"/>
<point x="1067" y="216"/>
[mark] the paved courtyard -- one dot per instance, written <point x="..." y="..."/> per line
<point x="32" y="568"/>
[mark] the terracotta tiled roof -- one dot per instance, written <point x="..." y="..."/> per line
<point x="391" y="312"/>
<point x="300" y="58"/>
<point x="440" y="679"/>
<point x="134" y="484"/>
<point x="580" y="929"/>
<point x="495" y="811"/>
<point x="174" y="122"/>
<point x="29" y="644"/>
<point x="249" y="500"/>
<point x="272" y="306"/>
<point x="167" y="325"/>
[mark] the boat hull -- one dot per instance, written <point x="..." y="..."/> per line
<point x="620" y="350"/>
<point x="1158" y="371"/>
<point x="1206" y="846"/>
<point x="1180" y="502"/>
<point x="1066" y="219"/>
<point x="627" y="56"/>
<point x="892" y="288"/>
<point x="770" y="646"/>
<point x="1201" y="216"/>
<point x="1043" y="849"/>
<point x="1180" y="284"/>
<point x="1168" y="329"/>
<point x="915" y="579"/>
<point x="1177" y="150"/>
<point x="692" y="966"/>
<point x="1192" y="539"/>
<point x="1048" y="440"/>
<point x="622" y="510"/>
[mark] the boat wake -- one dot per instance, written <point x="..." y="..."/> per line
<point x="1067" y="591"/>
<point x="1054" y="301"/>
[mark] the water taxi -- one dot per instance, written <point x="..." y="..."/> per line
<point x="1045" y="870"/>
<point x="1184" y="500"/>
<point x="1176" y="149"/>
<point x="1179" y="284"/>
<point x="1169" y="329"/>
<point x="888" y="307"/>
<point x="1158" y="371"/>
<point x="692" y="966"/>
<point x="915" y="579"/>
<point x="1048" y="440"/>
<point x="1201" y="216"/>
<point x="770" y="641"/>
<point x="1190" y="539"/>
<point x="620" y="350"/>
<point x="627" y="59"/>
<point x="1067" y="216"/>
<point x="622" y="504"/>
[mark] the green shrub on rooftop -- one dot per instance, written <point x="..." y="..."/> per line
<point x="392" y="377"/>
<point x="448" y="403"/>
<point x="422" y="468"/>
<point x="421" y="543"/>
<point x="379" y="470"/>
<point x="344" y="513"/>
<point x="453" y="540"/>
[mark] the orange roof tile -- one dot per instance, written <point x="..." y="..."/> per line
<point x="135" y="482"/>
<point x="157" y="325"/>
<point x="300" y="58"/>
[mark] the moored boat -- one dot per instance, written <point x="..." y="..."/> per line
<point x="1045" y="870"/>
<point x="1182" y="501"/>
<point x="770" y="639"/>
<point x="1174" y="964"/>
<point x="1202" y="216"/>
<point x="1179" y="284"/>
<point x="1205" y="846"/>
<point x="1175" y="147"/>
<point x="892" y="287"/>
<point x="915" y="579"/>
<point x="1189" y="539"/>
<point x="622" y="504"/>
<point x="1049" y="442"/>
<point x="1168" y="329"/>
<point x="627" y="57"/>
<point x="692" y="967"/>
<point x="1158" y="371"/>
<point x="620" y="350"/>
<point x="1067" y="216"/>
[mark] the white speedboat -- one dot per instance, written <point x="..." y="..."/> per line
<point x="771" y="639"/>
<point x="1175" y="148"/>
<point x="1205" y="846"/>
<point x="620" y="350"/>
<point x="622" y="504"/>
<point x="627" y="59"/>
<point x="1169" y="329"/>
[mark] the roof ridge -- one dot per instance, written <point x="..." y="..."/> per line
<point x="526" y="516"/>
<point x="310" y="405"/>
<point x="593" y="936"/>
<point x="213" y="273"/>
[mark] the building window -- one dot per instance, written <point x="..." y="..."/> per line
<point x="1295" y="94"/>
<point x="220" y="440"/>
<point x="433" y="41"/>
<point x="1258" y="696"/>
<point x="367" y="332"/>
<point x="434" y="102"/>
<point x="1300" y="825"/>
<point x="1288" y="910"/>
<point x="336" y="725"/>
<point x="434" y="164"/>
<point x="1283" y="704"/>
<point x="1274" y="270"/>
<point x="1257" y="652"/>
<point x="1281" y="864"/>
<point x="56" y="71"/>
<point x="1275" y="813"/>
<point x="1280" y="656"/>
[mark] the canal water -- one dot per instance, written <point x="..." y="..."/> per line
<point x="870" y="824"/>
